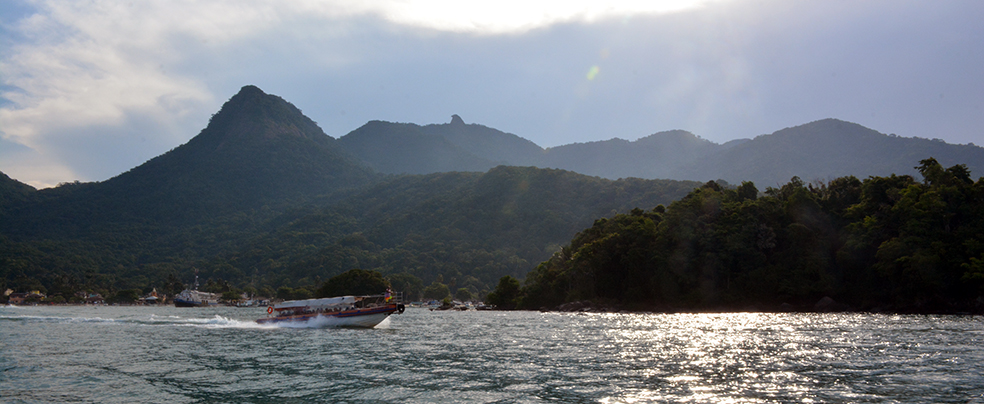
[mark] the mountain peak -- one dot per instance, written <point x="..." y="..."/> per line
<point x="456" y="120"/>
<point x="252" y="115"/>
<point x="247" y="96"/>
<point x="678" y="136"/>
<point x="247" y="92"/>
<point x="250" y="89"/>
<point x="830" y="129"/>
<point x="258" y="149"/>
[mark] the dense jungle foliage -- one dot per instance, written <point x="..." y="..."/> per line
<point x="431" y="236"/>
<point x="885" y="243"/>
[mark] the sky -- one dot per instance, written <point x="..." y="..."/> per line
<point x="90" y="89"/>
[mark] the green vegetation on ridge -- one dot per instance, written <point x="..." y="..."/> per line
<point x="460" y="230"/>
<point x="885" y="243"/>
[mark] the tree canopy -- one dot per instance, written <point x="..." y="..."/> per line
<point x="354" y="282"/>
<point x="885" y="243"/>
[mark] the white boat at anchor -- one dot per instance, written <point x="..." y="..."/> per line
<point x="195" y="298"/>
<point x="341" y="311"/>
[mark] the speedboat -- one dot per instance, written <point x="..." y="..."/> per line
<point x="342" y="311"/>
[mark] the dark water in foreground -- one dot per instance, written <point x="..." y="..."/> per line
<point x="170" y="355"/>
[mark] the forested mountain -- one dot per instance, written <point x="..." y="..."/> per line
<point x="661" y="155"/>
<point x="396" y="148"/>
<point x="13" y="192"/>
<point x="820" y="150"/>
<point x="886" y="243"/>
<point x="406" y="148"/>
<point x="468" y="229"/>
<point x="263" y="198"/>
<point x="258" y="151"/>
<point x="488" y="143"/>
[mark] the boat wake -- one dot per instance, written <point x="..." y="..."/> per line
<point x="214" y="322"/>
<point x="152" y="320"/>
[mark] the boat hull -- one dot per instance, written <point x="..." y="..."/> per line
<point x="185" y="303"/>
<point x="195" y="298"/>
<point x="192" y="303"/>
<point x="360" y="318"/>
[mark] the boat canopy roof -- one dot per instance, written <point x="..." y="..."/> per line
<point x="328" y="301"/>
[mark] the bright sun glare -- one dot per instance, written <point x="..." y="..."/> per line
<point x="505" y="16"/>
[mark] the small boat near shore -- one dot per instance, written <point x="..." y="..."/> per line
<point x="341" y="311"/>
<point x="195" y="298"/>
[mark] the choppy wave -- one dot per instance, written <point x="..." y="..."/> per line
<point x="179" y="356"/>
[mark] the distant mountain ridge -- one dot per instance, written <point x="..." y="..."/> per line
<point x="660" y="155"/>
<point x="819" y="150"/>
<point x="406" y="148"/>
<point x="831" y="148"/>
<point x="491" y="144"/>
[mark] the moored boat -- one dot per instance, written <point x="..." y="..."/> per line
<point x="341" y="311"/>
<point x="195" y="298"/>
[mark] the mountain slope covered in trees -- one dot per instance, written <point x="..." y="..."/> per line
<point x="885" y="243"/>
<point x="258" y="152"/>
<point x="468" y="227"/>
<point x="263" y="198"/>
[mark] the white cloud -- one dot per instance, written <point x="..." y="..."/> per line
<point x="84" y="67"/>
<point x="105" y="76"/>
<point x="512" y="16"/>
<point x="97" y="65"/>
<point x="100" y="63"/>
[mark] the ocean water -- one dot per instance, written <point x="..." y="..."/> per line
<point x="219" y="355"/>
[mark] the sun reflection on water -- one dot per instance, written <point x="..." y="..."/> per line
<point x="748" y="357"/>
<point x="493" y="357"/>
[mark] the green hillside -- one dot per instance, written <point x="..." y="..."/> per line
<point x="467" y="229"/>
<point x="882" y="244"/>
<point x="13" y="192"/>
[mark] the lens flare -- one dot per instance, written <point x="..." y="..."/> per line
<point x="593" y="72"/>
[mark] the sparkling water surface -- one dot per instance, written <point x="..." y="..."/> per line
<point x="219" y="355"/>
